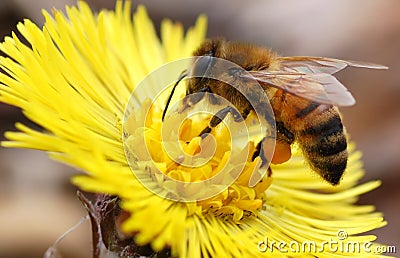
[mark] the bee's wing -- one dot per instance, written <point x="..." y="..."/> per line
<point x="318" y="87"/>
<point x="311" y="78"/>
<point x="309" y="64"/>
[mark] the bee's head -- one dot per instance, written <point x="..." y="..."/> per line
<point x="210" y="47"/>
<point x="247" y="56"/>
<point x="205" y="59"/>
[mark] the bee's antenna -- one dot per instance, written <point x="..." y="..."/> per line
<point x="181" y="77"/>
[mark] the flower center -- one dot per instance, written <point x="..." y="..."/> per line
<point x="178" y="162"/>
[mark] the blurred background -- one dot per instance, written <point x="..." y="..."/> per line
<point x="37" y="201"/>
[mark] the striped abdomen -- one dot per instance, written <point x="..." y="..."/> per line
<point x="319" y="131"/>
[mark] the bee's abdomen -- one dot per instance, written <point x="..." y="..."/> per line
<point x="324" y="143"/>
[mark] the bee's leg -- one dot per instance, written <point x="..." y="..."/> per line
<point x="269" y="171"/>
<point x="220" y="115"/>
<point x="192" y="99"/>
<point x="259" y="152"/>
<point x="284" y="138"/>
<point x="283" y="133"/>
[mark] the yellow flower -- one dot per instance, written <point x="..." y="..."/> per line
<point x="75" y="79"/>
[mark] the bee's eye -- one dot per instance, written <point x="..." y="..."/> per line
<point x="202" y="66"/>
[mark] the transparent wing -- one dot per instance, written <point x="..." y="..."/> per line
<point x="311" y="78"/>
<point x="309" y="64"/>
<point x="318" y="87"/>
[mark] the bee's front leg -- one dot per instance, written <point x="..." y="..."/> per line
<point x="192" y="99"/>
<point x="220" y="115"/>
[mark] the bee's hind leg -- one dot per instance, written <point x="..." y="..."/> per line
<point x="259" y="152"/>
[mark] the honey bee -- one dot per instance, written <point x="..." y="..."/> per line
<point x="303" y="93"/>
